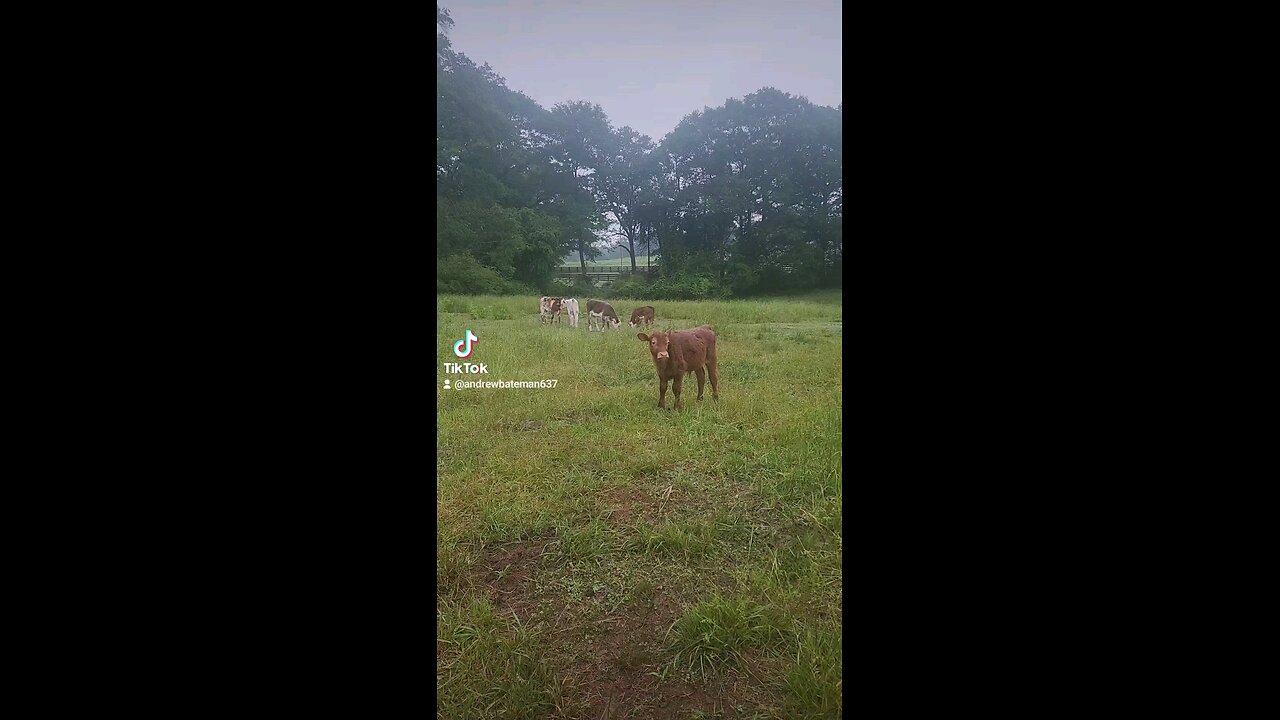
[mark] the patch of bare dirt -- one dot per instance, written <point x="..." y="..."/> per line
<point x="652" y="496"/>
<point x="609" y="661"/>
<point x="606" y="660"/>
<point x="667" y="490"/>
<point x="506" y="572"/>
<point x="631" y="505"/>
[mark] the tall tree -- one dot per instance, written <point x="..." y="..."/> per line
<point x="621" y="182"/>
<point x="613" y="164"/>
<point x="755" y="192"/>
<point x="500" y="200"/>
<point x="750" y="192"/>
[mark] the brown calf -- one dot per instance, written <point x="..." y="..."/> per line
<point x="642" y="316"/>
<point x="676" y="354"/>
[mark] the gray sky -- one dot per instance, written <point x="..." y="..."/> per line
<point x="648" y="64"/>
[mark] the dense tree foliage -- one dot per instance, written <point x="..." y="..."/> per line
<point x="751" y="194"/>
<point x="502" y="204"/>
<point x="744" y="198"/>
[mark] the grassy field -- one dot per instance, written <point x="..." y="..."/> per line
<point x="599" y="558"/>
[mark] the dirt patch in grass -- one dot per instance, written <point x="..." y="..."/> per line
<point x="630" y="505"/>
<point x="748" y="685"/>
<point x="609" y="661"/>
<point x="505" y="573"/>
<point x="609" y="655"/>
<point x="656" y="495"/>
<point x="651" y="496"/>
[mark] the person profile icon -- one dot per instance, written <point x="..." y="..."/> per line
<point x="446" y="383"/>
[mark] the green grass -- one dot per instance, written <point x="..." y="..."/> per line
<point x="600" y="548"/>
<point x="804" y="315"/>
<point x="491" y="666"/>
<point x="713" y="634"/>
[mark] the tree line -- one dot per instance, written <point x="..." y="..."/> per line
<point x="741" y="199"/>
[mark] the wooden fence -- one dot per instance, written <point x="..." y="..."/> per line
<point x="601" y="273"/>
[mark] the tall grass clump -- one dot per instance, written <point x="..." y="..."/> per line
<point x="813" y="687"/>
<point x="713" y="634"/>
<point x="490" y="667"/>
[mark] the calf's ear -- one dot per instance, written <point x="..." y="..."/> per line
<point x="643" y="337"/>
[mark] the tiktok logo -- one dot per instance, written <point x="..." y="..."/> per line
<point x="457" y="347"/>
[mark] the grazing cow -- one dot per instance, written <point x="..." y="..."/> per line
<point x="676" y="354"/>
<point x="550" y="309"/>
<point x="571" y="309"/>
<point x="601" y="312"/>
<point x="642" y="316"/>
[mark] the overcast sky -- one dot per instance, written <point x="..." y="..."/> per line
<point x="648" y="64"/>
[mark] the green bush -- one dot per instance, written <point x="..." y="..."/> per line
<point x="687" y="287"/>
<point x="464" y="275"/>
<point x="514" y="287"/>
<point x="630" y="286"/>
<point x="684" y="286"/>
<point x="742" y="279"/>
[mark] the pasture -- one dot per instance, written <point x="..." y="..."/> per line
<point x="597" y="557"/>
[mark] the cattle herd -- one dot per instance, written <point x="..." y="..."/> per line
<point x="675" y="354"/>
<point x="600" y="314"/>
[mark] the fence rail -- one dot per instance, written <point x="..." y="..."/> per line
<point x="624" y="268"/>
<point x="610" y="273"/>
<point x="600" y="273"/>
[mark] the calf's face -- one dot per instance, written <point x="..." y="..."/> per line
<point x="659" y="344"/>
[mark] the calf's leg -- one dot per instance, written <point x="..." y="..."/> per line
<point x="714" y="371"/>
<point x="676" y="382"/>
<point x="662" y="393"/>
<point x="701" y="379"/>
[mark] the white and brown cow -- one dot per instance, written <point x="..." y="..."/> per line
<point x="549" y="308"/>
<point x="601" y="313"/>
